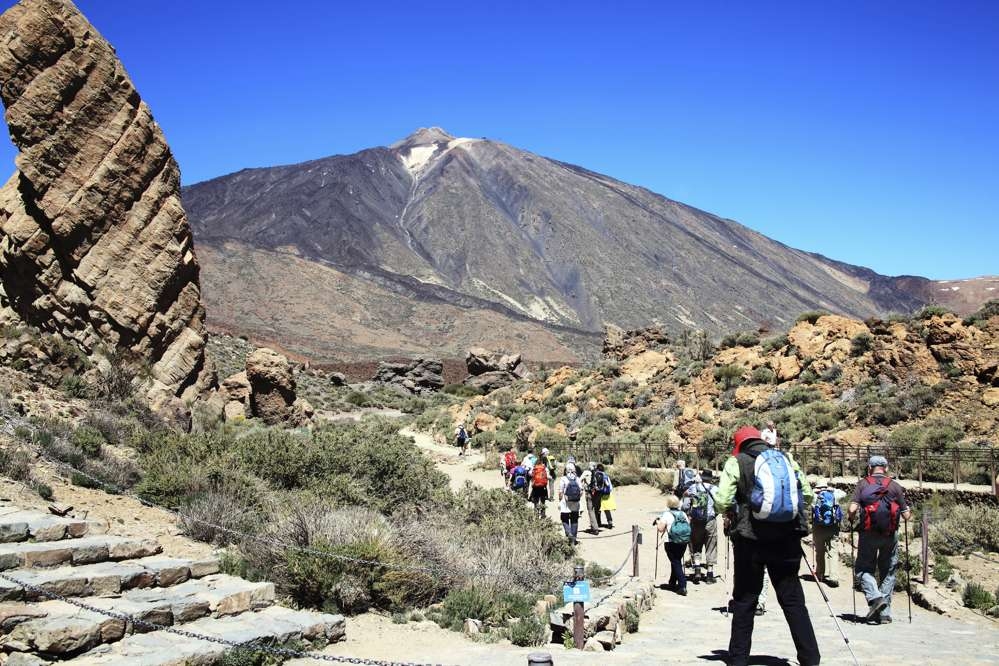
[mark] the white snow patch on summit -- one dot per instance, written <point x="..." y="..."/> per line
<point x="418" y="156"/>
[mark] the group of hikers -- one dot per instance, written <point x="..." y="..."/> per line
<point x="540" y="479"/>
<point x="767" y="507"/>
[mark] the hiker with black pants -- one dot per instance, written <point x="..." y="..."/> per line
<point x="767" y="496"/>
<point x="570" y="491"/>
<point x="827" y="516"/>
<point x="675" y="530"/>
<point x="879" y="501"/>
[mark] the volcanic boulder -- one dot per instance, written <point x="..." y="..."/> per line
<point x="489" y="371"/>
<point x="95" y="246"/>
<point x="418" y="376"/>
<point x="272" y="387"/>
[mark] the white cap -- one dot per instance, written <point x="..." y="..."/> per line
<point x="544" y="452"/>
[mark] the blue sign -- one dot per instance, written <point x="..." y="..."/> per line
<point x="578" y="591"/>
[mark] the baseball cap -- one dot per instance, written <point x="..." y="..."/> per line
<point x="877" y="461"/>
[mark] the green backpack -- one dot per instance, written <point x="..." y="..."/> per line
<point x="680" y="531"/>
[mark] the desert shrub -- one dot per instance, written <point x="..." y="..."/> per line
<point x="729" y="375"/>
<point x="808" y="376"/>
<point x="975" y="596"/>
<point x="986" y="312"/>
<point x="861" y="343"/>
<point x="626" y="470"/>
<point x="44" y="490"/>
<point x="763" y="375"/>
<point x="529" y="631"/>
<point x="811" y="316"/>
<point x="222" y="512"/>
<point x="965" y="528"/>
<point x="463" y="603"/>
<point x="831" y="374"/>
<point x="84" y="481"/>
<point x="798" y="395"/>
<point x="358" y="399"/>
<point x="632" y="617"/>
<point x="657" y="434"/>
<point x="773" y="344"/>
<point x="597" y="572"/>
<point x="808" y="421"/>
<point x="115" y="378"/>
<point x="15" y="463"/>
<point x="461" y="390"/>
<point x="74" y="386"/>
<point x="88" y="440"/>
<point x="714" y="446"/>
<point x="942" y="569"/>
<point x="932" y="311"/>
<point x="609" y="369"/>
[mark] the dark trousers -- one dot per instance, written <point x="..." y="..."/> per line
<point x="677" y="576"/>
<point x="782" y="560"/>
<point x="570" y="523"/>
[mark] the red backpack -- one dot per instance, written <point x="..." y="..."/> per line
<point x="539" y="476"/>
<point x="880" y="514"/>
<point x="510" y="460"/>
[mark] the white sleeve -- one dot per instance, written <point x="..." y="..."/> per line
<point x="668" y="519"/>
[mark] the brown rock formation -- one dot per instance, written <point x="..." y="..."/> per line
<point x="95" y="245"/>
<point x="272" y="386"/>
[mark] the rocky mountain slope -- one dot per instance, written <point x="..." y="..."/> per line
<point x="930" y="380"/>
<point x="442" y="225"/>
<point x="95" y="248"/>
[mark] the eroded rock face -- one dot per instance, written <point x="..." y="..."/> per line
<point x="418" y="376"/>
<point x="272" y="386"/>
<point x="489" y="371"/>
<point x="95" y="245"/>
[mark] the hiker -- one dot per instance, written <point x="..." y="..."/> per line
<point x="767" y="495"/>
<point x="461" y="438"/>
<point x="520" y="480"/>
<point x="508" y="462"/>
<point x="594" y="516"/>
<point x="699" y="505"/>
<point x="879" y="501"/>
<point x="529" y="460"/>
<point x="539" y="487"/>
<point x="769" y="434"/>
<point x="570" y="492"/>
<point x="600" y="490"/>
<point x="549" y="460"/>
<point x="675" y="530"/>
<point x="827" y="516"/>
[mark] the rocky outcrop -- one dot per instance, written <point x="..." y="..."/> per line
<point x="272" y="389"/>
<point x="418" y="376"/>
<point x="95" y="245"/>
<point x="489" y="371"/>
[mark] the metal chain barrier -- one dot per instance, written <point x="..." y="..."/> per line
<point x="153" y="626"/>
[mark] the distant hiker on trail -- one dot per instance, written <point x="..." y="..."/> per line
<point x="675" y="530"/>
<point x="549" y="460"/>
<point x="827" y="516"/>
<point x="570" y="492"/>
<point x="529" y="460"/>
<point x="594" y="516"/>
<point x="520" y="480"/>
<point x="699" y="505"/>
<point x="601" y="491"/>
<point x="880" y="502"/>
<point x="461" y="438"/>
<point x="539" y="487"/>
<point x="769" y="435"/>
<point x="768" y="495"/>
<point x="508" y="462"/>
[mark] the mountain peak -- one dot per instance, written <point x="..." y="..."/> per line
<point x="424" y="136"/>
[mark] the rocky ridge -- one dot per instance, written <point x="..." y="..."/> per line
<point x="95" y="248"/>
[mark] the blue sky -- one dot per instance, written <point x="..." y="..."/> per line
<point x="867" y="131"/>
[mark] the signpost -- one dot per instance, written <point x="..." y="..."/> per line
<point x="578" y="592"/>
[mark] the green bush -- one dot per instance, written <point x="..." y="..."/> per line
<point x="977" y="597"/>
<point x="632" y="617"/>
<point x="44" y="490"/>
<point x="529" y="632"/>
<point x="74" y="386"/>
<point x="966" y="528"/>
<point x="799" y="395"/>
<point x="15" y="463"/>
<point x="932" y="311"/>
<point x="461" y="390"/>
<point x="358" y="399"/>
<point x="861" y="343"/>
<point x="729" y="375"/>
<point x="467" y="602"/>
<point x="942" y="569"/>
<point x="771" y="345"/>
<point x="811" y="316"/>
<point x="84" y="481"/>
<point x="763" y="375"/>
<point x="986" y="312"/>
<point x="89" y="441"/>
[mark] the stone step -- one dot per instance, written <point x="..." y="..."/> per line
<point x="105" y="578"/>
<point x="275" y="625"/>
<point x="85" y="550"/>
<point x="67" y="629"/>
<point x="18" y="524"/>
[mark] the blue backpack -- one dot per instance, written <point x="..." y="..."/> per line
<point x="519" y="477"/>
<point x="826" y="511"/>
<point x="777" y="496"/>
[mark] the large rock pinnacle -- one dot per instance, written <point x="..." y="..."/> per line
<point x="95" y="245"/>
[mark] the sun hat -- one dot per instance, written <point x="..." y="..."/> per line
<point x="877" y="461"/>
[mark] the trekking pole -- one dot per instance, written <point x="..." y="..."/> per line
<point x="655" y="575"/>
<point x="832" y="613"/>
<point x="853" y="572"/>
<point x="908" y="568"/>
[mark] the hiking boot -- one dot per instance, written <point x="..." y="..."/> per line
<point x="884" y="620"/>
<point x="830" y="582"/>
<point x="711" y="580"/>
<point x="682" y="592"/>
<point x="876" y="607"/>
<point x="760" y="610"/>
